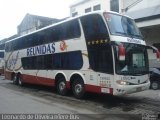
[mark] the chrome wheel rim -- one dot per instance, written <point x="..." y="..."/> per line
<point x="154" y="85"/>
<point x="62" y="86"/>
<point x="78" y="88"/>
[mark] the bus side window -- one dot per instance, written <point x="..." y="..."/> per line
<point x="94" y="28"/>
<point x="74" y="29"/>
<point x="70" y="30"/>
<point x="66" y="61"/>
<point x="99" y="51"/>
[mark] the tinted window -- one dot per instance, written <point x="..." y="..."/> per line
<point x="54" y="61"/>
<point x="97" y="39"/>
<point x="94" y="27"/>
<point x="69" y="30"/>
<point x="64" y="31"/>
<point x="66" y="61"/>
<point x="1" y="54"/>
<point x="100" y="58"/>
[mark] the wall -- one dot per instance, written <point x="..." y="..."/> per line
<point x="105" y="5"/>
<point x="142" y="4"/>
<point x="27" y="25"/>
<point x="151" y="34"/>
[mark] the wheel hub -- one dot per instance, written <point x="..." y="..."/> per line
<point x="154" y="85"/>
<point x="78" y="88"/>
<point x="62" y="86"/>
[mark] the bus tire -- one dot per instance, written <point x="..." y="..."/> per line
<point x="14" y="79"/>
<point x="19" y="79"/>
<point x="61" y="86"/>
<point x="78" y="88"/>
<point x="154" y="85"/>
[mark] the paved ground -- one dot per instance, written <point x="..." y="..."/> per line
<point x="39" y="99"/>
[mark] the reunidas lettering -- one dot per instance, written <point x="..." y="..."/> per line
<point x="41" y="50"/>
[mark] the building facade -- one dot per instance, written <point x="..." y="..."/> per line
<point x="84" y="6"/>
<point x="31" y="23"/>
<point x="147" y="16"/>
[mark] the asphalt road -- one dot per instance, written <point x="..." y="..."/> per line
<point x="32" y="99"/>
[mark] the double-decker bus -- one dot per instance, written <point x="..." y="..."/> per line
<point x="100" y="52"/>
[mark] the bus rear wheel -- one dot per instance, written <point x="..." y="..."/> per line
<point x="61" y="86"/>
<point x="19" y="79"/>
<point x="78" y="88"/>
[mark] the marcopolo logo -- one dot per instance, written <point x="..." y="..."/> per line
<point x="132" y="40"/>
<point x="41" y="50"/>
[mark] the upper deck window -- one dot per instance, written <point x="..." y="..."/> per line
<point x="64" y="31"/>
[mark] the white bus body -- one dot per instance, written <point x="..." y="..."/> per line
<point x="101" y="52"/>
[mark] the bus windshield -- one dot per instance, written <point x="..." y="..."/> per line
<point x="123" y="26"/>
<point x="135" y="62"/>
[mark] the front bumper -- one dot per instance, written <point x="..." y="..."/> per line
<point x="128" y="89"/>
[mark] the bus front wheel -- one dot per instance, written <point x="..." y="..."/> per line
<point x="78" y="88"/>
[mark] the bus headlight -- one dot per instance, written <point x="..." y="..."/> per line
<point x="121" y="82"/>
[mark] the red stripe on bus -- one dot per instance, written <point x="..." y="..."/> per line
<point x="51" y="82"/>
<point x="38" y="80"/>
<point x="92" y="88"/>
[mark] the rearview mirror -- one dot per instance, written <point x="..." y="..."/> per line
<point x="121" y="52"/>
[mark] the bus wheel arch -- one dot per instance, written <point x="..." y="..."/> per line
<point x="77" y="85"/>
<point x="61" y="84"/>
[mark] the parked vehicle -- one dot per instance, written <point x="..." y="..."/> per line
<point x="155" y="78"/>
